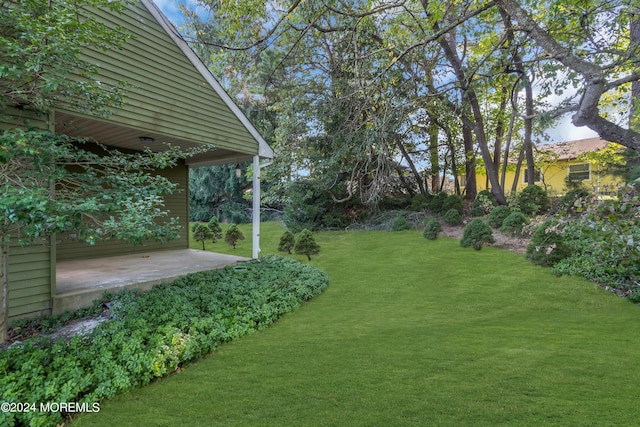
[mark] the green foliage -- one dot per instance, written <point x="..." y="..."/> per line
<point x="431" y="229"/>
<point x="202" y="233"/>
<point x="547" y="246"/>
<point x="483" y="204"/>
<point x="305" y="244"/>
<point x="216" y="191"/>
<point x="233" y="235"/>
<point x="400" y="223"/>
<point x="287" y="242"/>
<point x="152" y="335"/>
<point x="419" y="202"/>
<point x="452" y="217"/>
<point x="572" y="201"/>
<point x="476" y="234"/>
<point x="514" y="222"/>
<point x="533" y="200"/>
<point x="453" y="201"/>
<point x="436" y="204"/>
<point x="41" y="47"/>
<point x="216" y="228"/>
<point x="307" y="204"/>
<point x="498" y="215"/>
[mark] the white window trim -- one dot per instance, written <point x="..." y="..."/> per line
<point x="536" y="172"/>
<point x="579" y="164"/>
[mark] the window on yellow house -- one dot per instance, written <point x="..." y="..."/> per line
<point x="580" y="172"/>
<point x="537" y="176"/>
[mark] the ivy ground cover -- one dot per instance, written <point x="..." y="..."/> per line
<point x="413" y="332"/>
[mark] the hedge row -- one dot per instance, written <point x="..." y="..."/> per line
<point x="152" y="334"/>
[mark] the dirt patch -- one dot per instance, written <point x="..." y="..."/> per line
<point x="504" y="241"/>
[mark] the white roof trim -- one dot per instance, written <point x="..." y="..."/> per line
<point x="264" y="150"/>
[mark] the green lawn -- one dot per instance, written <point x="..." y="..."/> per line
<point x="412" y="332"/>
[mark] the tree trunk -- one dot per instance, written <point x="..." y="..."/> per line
<point x="412" y="166"/>
<point x="634" y="115"/>
<point x="4" y="287"/>
<point x="470" y="187"/>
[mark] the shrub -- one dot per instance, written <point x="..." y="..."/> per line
<point x="152" y="334"/>
<point x="452" y="217"/>
<point x="533" y="200"/>
<point x="306" y="245"/>
<point x="547" y="246"/>
<point x="513" y="223"/>
<point x="400" y="223"/>
<point x="216" y="229"/>
<point x="476" y="234"/>
<point x="498" y="215"/>
<point x="233" y="235"/>
<point x="572" y="201"/>
<point x="453" y="201"/>
<point x="437" y="202"/>
<point x="484" y="202"/>
<point x="431" y="229"/>
<point x="419" y="202"/>
<point x="202" y="233"/>
<point x="287" y="242"/>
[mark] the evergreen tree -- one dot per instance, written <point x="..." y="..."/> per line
<point x="202" y="233"/>
<point x="233" y="235"/>
<point x="216" y="229"/>
<point x="287" y="242"/>
<point x="306" y="245"/>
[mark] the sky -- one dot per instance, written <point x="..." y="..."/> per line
<point x="563" y="131"/>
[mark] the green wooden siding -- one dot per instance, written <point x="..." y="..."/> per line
<point x="166" y="93"/>
<point x="177" y="204"/>
<point x="29" y="278"/>
<point x="30" y="267"/>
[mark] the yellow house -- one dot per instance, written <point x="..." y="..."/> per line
<point x="566" y="165"/>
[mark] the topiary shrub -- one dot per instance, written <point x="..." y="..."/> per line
<point x="287" y="242"/>
<point x="513" y="223"/>
<point x="216" y="229"/>
<point x="547" y="246"/>
<point x="400" y="223"/>
<point x="484" y="202"/>
<point x="453" y="201"/>
<point x="202" y="233"/>
<point x="431" y="229"/>
<point x="476" y="234"/>
<point x="306" y="245"/>
<point x="452" y="217"/>
<point x="498" y="215"/>
<point x="233" y="235"/>
<point x="533" y="200"/>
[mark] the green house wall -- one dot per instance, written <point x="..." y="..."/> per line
<point x="166" y="93"/>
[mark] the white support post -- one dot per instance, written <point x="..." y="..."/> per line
<point x="256" y="207"/>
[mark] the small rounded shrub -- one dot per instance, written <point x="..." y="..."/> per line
<point x="400" y="223"/>
<point x="513" y="223"/>
<point x="419" y="202"/>
<point x="498" y="215"/>
<point x="476" y="234"/>
<point x="453" y="201"/>
<point x="437" y="202"/>
<point x="432" y="229"/>
<point x="533" y="200"/>
<point x="547" y="246"/>
<point x="452" y="217"/>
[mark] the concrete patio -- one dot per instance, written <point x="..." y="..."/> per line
<point x="79" y="282"/>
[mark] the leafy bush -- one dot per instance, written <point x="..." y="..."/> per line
<point x="513" y="223"/>
<point x="306" y="245"/>
<point x="547" y="246"/>
<point x="533" y="200"/>
<point x="287" y="242"/>
<point x="572" y="201"/>
<point x="484" y="203"/>
<point x="453" y="201"/>
<point x="498" y="215"/>
<point x="431" y="229"/>
<point x="419" y="202"/>
<point x="476" y="234"/>
<point x="152" y="334"/>
<point x="400" y="223"/>
<point x="233" y="235"/>
<point x="452" y="217"/>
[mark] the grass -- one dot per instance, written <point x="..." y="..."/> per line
<point x="412" y="332"/>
